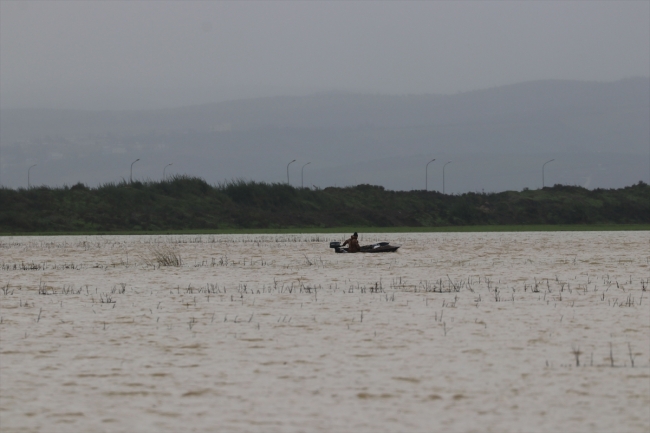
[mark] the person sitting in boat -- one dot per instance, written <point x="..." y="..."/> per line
<point x="353" y="243"/>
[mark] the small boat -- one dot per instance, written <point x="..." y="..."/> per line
<point x="379" y="247"/>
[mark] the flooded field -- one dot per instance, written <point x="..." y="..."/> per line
<point x="459" y="332"/>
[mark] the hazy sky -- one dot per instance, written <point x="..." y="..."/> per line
<point x="149" y="54"/>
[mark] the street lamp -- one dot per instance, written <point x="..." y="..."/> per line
<point x="165" y="169"/>
<point x="131" y="178"/>
<point x="28" y="170"/>
<point x="426" y="175"/>
<point x="302" y="184"/>
<point x="288" y="170"/>
<point x="544" y="165"/>
<point x="443" y="176"/>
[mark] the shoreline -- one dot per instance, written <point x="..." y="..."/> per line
<point x="307" y="230"/>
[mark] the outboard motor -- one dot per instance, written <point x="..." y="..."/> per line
<point x="337" y="247"/>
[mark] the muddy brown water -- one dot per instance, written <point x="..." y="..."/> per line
<point x="454" y="332"/>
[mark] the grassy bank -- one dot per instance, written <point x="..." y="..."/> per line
<point x="347" y="230"/>
<point x="190" y="205"/>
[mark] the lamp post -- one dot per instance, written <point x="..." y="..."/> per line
<point x="443" y="176"/>
<point x="302" y="184"/>
<point x="165" y="169"/>
<point x="544" y="165"/>
<point x="28" y="170"/>
<point x="131" y="177"/>
<point x="288" y="170"/>
<point x="426" y="175"/>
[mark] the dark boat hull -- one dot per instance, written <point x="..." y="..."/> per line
<point x="385" y="249"/>
<point x="381" y="247"/>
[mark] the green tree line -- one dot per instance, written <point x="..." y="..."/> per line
<point x="190" y="203"/>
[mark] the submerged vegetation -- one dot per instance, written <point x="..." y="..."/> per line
<point x="190" y="203"/>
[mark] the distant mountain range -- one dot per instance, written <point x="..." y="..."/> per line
<point x="599" y="134"/>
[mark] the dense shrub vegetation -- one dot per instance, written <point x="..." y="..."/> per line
<point x="186" y="202"/>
